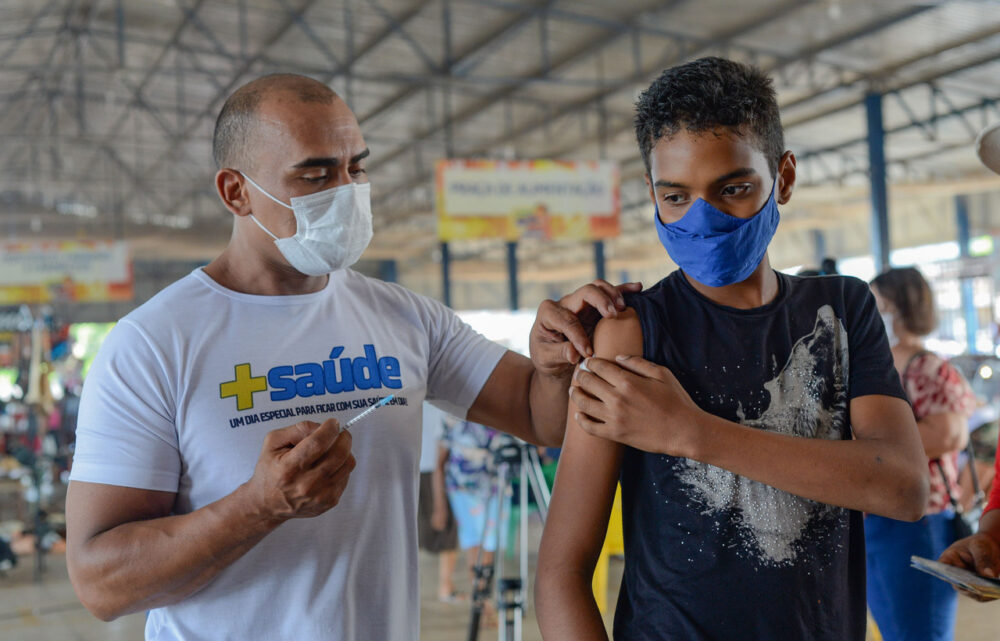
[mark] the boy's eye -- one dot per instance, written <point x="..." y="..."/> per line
<point x="674" y="199"/>
<point x="736" y="190"/>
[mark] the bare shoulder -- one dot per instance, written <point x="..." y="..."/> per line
<point x="619" y="335"/>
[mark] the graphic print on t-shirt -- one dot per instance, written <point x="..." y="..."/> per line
<point x="334" y="375"/>
<point x="803" y="403"/>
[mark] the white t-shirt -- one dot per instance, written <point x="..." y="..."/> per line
<point x="433" y="421"/>
<point x="184" y="390"/>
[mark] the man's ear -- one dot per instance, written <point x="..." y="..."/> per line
<point x="232" y="189"/>
<point x="786" y="178"/>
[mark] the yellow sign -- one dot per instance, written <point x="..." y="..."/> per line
<point x="527" y="199"/>
<point x="70" y="271"/>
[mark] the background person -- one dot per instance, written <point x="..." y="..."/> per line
<point x="464" y="480"/>
<point x="981" y="551"/>
<point x="437" y="536"/>
<point x="907" y="604"/>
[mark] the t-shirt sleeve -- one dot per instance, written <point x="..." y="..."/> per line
<point x="461" y="360"/>
<point x="871" y="367"/>
<point x="125" y="430"/>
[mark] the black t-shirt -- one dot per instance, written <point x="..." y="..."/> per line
<point x="713" y="555"/>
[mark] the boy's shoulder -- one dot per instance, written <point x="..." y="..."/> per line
<point x="834" y="287"/>
<point x="620" y="334"/>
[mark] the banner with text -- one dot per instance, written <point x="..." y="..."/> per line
<point x="70" y="271"/>
<point x="527" y="199"/>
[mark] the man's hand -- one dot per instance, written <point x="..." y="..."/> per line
<point x="636" y="403"/>
<point x="302" y="470"/>
<point x="561" y="334"/>
<point x="979" y="553"/>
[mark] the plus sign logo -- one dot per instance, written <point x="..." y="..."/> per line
<point x="243" y="387"/>
<point x="337" y="374"/>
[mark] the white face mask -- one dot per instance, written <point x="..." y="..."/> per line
<point x="332" y="228"/>
<point x="887" y="319"/>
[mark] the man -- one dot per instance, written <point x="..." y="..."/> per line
<point x="750" y="416"/>
<point x="186" y="500"/>
<point x="980" y="552"/>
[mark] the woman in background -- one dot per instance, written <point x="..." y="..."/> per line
<point x="907" y="604"/>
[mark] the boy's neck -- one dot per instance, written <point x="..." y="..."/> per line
<point x="756" y="291"/>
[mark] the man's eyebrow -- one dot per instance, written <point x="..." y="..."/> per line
<point x="669" y="184"/>
<point x="317" y="162"/>
<point x="329" y="161"/>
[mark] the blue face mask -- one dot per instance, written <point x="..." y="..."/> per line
<point x="717" y="249"/>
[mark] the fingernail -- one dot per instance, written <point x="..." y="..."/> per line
<point x="621" y="357"/>
<point x="621" y="301"/>
<point x="590" y="351"/>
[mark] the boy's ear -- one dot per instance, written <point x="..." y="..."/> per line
<point x="786" y="178"/>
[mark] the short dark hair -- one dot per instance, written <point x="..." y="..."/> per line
<point x="708" y="93"/>
<point x="234" y="126"/>
<point x="911" y="295"/>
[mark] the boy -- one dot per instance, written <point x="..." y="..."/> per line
<point x="750" y="416"/>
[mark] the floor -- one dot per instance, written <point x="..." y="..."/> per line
<point x="49" y="611"/>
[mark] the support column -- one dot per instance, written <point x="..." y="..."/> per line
<point x="968" y="296"/>
<point x="512" y="274"/>
<point x="599" y="262"/>
<point x="819" y="247"/>
<point x="445" y="274"/>
<point x="877" y="176"/>
<point x="388" y="271"/>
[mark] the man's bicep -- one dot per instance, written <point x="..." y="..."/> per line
<point x="94" y="508"/>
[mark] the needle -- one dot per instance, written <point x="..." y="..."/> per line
<point x="368" y="411"/>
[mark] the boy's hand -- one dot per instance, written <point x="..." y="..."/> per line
<point x="979" y="553"/>
<point x="632" y="401"/>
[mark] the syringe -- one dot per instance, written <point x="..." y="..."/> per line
<point x="368" y="411"/>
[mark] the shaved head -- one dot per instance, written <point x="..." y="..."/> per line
<point x="232" y="142"/>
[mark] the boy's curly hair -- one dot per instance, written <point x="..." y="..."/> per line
<point x="706" y="94"/>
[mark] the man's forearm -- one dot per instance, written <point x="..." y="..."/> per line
<point x="868" y="475"/>
<point x="548" y="401"/>
<point x="146" y="564"/>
